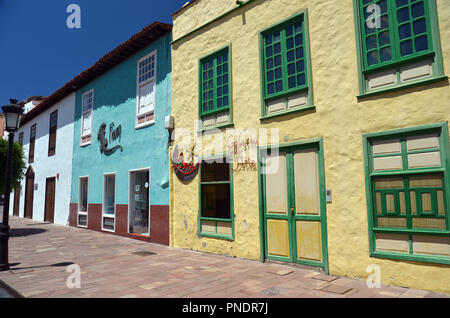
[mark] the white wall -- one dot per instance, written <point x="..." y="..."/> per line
<point x="46" y="167"/>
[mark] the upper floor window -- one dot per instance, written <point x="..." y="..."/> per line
<point x="146" y="87"/>
<point x="215" y="89"/>
<point x="52" y="133"/>
<point x="398" y="42"/>
<point x="32" y="142"/>
<point x="21" y="138"/>
<point x="87" y="105"/>
<point x="286" y="66"/>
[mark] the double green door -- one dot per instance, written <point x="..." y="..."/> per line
<point x="294" y="203"/>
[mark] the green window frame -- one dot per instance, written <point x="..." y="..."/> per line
<point x="397" y="33"/>
<point x="395" y="195"/>
<point x="208" y="203"/>
<point x="285" y="63"/>
<point x="215" y="82"/>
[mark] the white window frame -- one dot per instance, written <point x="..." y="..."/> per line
<point x="103" y="202"/>
<point x="79" y="202"/>
<point x="139" y="85"/>
<point x="82" y="118"/>
<point x="130" y="198"/>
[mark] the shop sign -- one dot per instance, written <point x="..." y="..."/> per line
<point x="114" y="134"/>
<point x="184" y="170"/>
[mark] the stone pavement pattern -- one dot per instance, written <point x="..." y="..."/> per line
<point x="113" y="266"/>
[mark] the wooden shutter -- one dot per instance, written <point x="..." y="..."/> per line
<point x="52" y="133"/>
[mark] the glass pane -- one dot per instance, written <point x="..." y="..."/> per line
<point x="291" y="69"/>
<point x="301" y="79"/>
<point x="211" y="172"/>
<point x="372" y="57"/>
<point x="371" y="42"/>
<point x="403" y="15"/>
<point x="406" y="47"/>
<point x="418" y="9"/>
<point x="419" y="26"/>
<point x="404" y="31"/>
<point x="290" y="43"/>
<point x="299" y="39"/>
<point x="384" y="38"/>
<point x="384" y="22"/>
<point x="139" y="188"/>
<point x="421" y="43"/>
<point x="386" y="54"/>
<point x="300" y="66"/>
<point x="109" y="195"/>
<point x="278" y="73"/>
<point x="292" y="82"/>
<point x="216" y="201"/>
<point x="279" y="86"/>
<point x="83" y="204"/>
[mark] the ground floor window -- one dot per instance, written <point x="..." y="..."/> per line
<point x="216" y="199"/>
<point x="408" y="193"/>
<point x="109" y="202"/>
<point x="139" y="216"/>
<point x="83" y="202"/>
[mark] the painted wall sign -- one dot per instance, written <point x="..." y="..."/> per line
<point x="113" y="135"/>
<point x="242" y="151"/>
<point x="185" y="171"/>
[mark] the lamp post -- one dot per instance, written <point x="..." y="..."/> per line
<point x="13" y="115"/>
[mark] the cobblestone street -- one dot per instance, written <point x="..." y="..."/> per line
<point x="113" y="266"/>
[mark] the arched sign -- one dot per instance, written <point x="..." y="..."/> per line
<point x="185" y="171"/>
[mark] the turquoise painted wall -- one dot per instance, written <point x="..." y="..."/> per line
<point x="115" y="101"/>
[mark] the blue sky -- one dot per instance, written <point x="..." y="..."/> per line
<point x="39" y="53"/>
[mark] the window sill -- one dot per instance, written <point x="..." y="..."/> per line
<point x="86" y="144"/>
<point x="146" y="124"/>
<point x="412" y="257"/>
<point x="217" y="236"/>
<point x="224" y="125"/>
<point x="287" y="112"/>
<point x="399" y="87"/>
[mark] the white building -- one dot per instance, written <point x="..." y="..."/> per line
<point x="46" y="134"/>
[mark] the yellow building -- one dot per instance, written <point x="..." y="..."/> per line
<point x="332" y="116"/>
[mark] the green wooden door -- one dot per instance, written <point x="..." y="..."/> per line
<point x="293" y="188"/>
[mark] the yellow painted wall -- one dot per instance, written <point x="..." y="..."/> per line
<point x="339" y="118"/>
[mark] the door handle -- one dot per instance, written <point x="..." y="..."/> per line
<point x="292" y="212"/>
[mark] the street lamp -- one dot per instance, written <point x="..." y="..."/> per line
<point x="13" y="115"/>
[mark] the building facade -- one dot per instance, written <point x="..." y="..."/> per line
<point x="120" y="144"/>
<point x="46" y="136"/>
<point x="317" y="134"/>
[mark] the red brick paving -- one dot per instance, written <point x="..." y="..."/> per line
<point x="110" y="269"/>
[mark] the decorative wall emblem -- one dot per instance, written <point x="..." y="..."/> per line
<point x="184" y="167"/>
<point x="114" y="134"/>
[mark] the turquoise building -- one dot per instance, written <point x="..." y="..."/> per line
<point x="120" y="151"/>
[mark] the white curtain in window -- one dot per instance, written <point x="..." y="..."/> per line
<point x="147" y="97"/>
<point x="87" y="118"/>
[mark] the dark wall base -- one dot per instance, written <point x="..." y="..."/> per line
<point x="159" y="222"/>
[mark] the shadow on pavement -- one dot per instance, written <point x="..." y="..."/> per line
<point x="63" y="264"/>
<point x="26" y="232"/>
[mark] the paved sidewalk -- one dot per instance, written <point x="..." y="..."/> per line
<point x="113" y="266"/>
